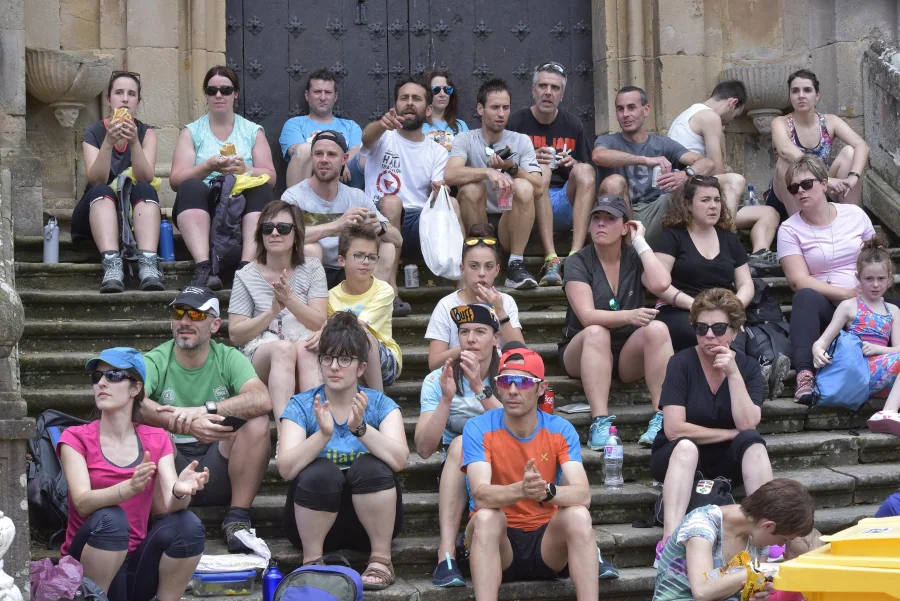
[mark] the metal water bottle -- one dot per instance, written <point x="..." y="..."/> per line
<point x="272" y="577"/>
<point x="51" y="241"/>
<point x="166" y="242"/>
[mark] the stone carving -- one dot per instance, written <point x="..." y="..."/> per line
<point x="256" y="113"/>
<point x="8" y="590"/>
<point x="767" y="91"/>
<point x="420" y="69"/>
<point x="65" y="81"/>
<point x="231" y="64"/>
<point x="398" y="71"/>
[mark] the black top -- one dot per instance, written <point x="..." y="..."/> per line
<point x="686" y="386"/>
<point x="693" y="273"/>
<point x="566" y="131"/>
<point x="584" y="266"/>
<point x="120" y="160"/>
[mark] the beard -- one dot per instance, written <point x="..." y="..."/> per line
<point x="189" y="345"/>
<point x="327" y="178"/>
<point x="413" y="122"/>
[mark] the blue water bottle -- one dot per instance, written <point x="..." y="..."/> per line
<point x="272" y="577"/>
<point x="166" y="242"/>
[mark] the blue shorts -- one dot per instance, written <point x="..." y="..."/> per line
<point x="562" y="208"/>
<point x="357" y="174"/>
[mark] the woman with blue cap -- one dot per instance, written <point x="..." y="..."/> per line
<point x="119" y="472"/>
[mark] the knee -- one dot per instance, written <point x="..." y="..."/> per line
<point x="806" y="295"/>
<point x="488" y="522"/>
<point x="190" y="534"/>
<point x="577" y="521"/>
<point x="391" y="206"/>
<point x="370" y="474"/>
<point x="597" y="338"/>
<point x="735" y="181"/>
<point x="846" y="154"/>
<point x="143" y="192"/>
<point x="657" y="334"/>
<point x="584" y="174"/>
<point x="685" y="453"/>
<point x="523" y="191"/>
<point x="770" y="216"/>
<point x="301" y="153"/>
<point x="322" y="478"/>
<point x="283" y="352"/>
<point x="110" y="521"/>
<point x="256" y="428"/>
<point x="313" y="249"/>
<point x="614" y="184"/>
<point x="99" y="192"/>
<point x="472" y="193"/>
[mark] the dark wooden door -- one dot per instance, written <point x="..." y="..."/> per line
<point x="370" y="44"/>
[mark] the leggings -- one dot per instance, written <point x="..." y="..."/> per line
<point x="810" y="315"/>
<point x="179" y="535"/>
<point x="81" y="216"/>
<point x="679" y="323"/>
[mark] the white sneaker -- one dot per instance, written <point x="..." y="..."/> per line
<point x="887" y="422"/>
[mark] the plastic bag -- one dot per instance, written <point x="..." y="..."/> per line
<point x="53" y="582"/>
<point x="441" y="237"/>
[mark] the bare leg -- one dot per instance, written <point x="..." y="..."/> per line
<point x="174" y="574"/>
<point x="452" y="499"/>
<point x="756" y="468"/>
<point x="308" y="374"/>
<point x="376" y="512"/>
<point x="840" y="169"/>
<point x="101" y="566"/>
<point x="386" y="268"/>
<point x="313" y="527"/>
<point x="786" y="198"/>
<point x="516" y="224"/>
<point x="275" y="363"/>
<point x="313" y="249"/>
<point x="569" y="539"/>
<point x="733" y="185"/>
<point x="105" y="225"/>
<point x="616" y="184"/>
<point x="372" y="375"/>
<point x="893" y="400"/>
<point x="588" y="356"/>
<point x="582" y="181"/>
<point x="646" y="355"/>
<point x="473" y="204"/>
<point x="677" y="485"/>
<point x="248" y="456"/>
<point x="543" y="212"/>
<point x="487" y="533"/>
<point x="146" y="225"/>
<point x="300" y="166"/>
<point x="762" y="221"/>
<point x="194" y="227"/>
<point x="248" y="231"/>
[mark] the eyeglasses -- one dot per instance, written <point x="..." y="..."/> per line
<point x="448" y="90"/>
<point x="475" y="240"/>
<point x="521" y="382"/>
<point x="361" y="257"/>
<point x="342" y="360"/>
<point x="193" y="314"/>
<point x="284" y="228"/>
<point x="225" y="90"/>
<point x="112" y="376"/>
<point x="552" y="65"/>
<point x="718" y="329"/>
<point x="614" y="304"/>
<point x="805" y="184"/>
<point x="117" y="74"/>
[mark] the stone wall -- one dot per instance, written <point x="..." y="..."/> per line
<point x="881" y="73"/>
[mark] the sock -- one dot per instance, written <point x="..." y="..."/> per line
<point x="109" y="253"/>
<point x="550" y="257"/>
<point x="515" y="258"/>
<point x="760" y="251"/>
<point x="237" y="514"/>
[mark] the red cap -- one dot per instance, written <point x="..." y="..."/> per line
<point x="522" y="359"/>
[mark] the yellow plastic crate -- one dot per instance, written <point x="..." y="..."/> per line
<point x="871" y="537"/>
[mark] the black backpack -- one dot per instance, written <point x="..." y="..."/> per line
<point x="704" y="492"/>
<point x="225" y="237"/>
<point x="48" y="492"/>
<point x="767" y="331"/>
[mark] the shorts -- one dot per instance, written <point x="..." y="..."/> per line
<point x="527" y="563"/>
<point x="81" y="216"/>
<point x="194" y="194"/>
<point x="389" y="368"/>
<point x="334" y="276"/>
<point x="774" y="202"/>
<point x="562" y="208"/>
<point x="650" y="214"/>
<point x="357" y="174"/>
<point x="412" y="244"/>
<point x="217" y="492"/>
<point x="715" y="460"/>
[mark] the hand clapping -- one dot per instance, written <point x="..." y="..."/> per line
<point x="323" y="416"/>
<point x="358" y="410"/>
<point x="190" y="481"/>
<point x="142" y="475"/>
<point x="533" y="485"/>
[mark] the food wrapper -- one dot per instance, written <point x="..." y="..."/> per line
<point x="228" y="150"/>
<point x="245" y="182"/>
<point x="756" y="581"/>
<point x="121" y="114"/>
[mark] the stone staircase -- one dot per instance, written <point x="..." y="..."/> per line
<point x="67" y="321"/>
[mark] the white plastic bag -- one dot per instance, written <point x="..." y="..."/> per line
<point x="440" y="235"/>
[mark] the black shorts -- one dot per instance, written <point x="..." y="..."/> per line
<point x="194" y="194"/>
<point x="715" y="460"/>
<point x="527" y="563"/>
<point x="217" y="492"/>
<point x="334" y="276"/>
<point x="81" y="216"/>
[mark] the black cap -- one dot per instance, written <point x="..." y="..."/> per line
<point x="329" y="134"/>
<point x="612" y="204"/>
<point x="512" y="344"/>
<point x="475" y="313"/>
<point x="200" y="298"/>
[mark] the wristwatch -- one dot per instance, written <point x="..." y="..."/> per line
<point x="512" y="170"/>
<point x="485" y="393"/>
<point x="690" y="172"/>
<point x="360" y="430"/>
<point x="551" y="492"/>
<point x="383" y="228"/>
<point x="211" y="407"/>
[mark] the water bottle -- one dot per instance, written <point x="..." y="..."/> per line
<point x="166" y="242"/>
<point x="613" y="455"/>
<point x="272" y="577"/>
<point x="51" y="241"/>
<point x="752" y="200"/>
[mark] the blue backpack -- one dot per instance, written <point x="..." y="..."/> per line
<point x="335" y="581"/>
<point x="845" y="382"/>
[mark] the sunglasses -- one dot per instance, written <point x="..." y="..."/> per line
<point x="718" y="329"/>
<point x="805" y="184"/>
<point x="117" y="74"/>
<point x="553" y="65"/>
<point x="614" y="304"/>
<point x="284" y="228"/>
<point x="475" y="240"/>
<point x="343" y="360"/>
<point x="521" y="382"/>
<point x="113" y="376"/>
<point x="361" y="257"/>
<point x="225" y="90"/>
<point x="704" y="180"/>
<point x="193" y="314"/>
<point x="448" y="90"/>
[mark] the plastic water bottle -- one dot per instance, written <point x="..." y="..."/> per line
<point x="51" y="241"/>
<point x="752" y="200"/>
<point x="613" y="456"/>
<point x="166" y="242"/>
<point x="272" y="577"/>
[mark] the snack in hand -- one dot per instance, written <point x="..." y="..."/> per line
<point x="121" y="114"/>
<point x="228" y="150"/>
<point x="756" y="581"/>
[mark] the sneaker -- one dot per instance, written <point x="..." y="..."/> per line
<point x="517" y="276"/>
<point x="401" y="309"/>
<point x="150" y="274"/>
<point x="766" y="370"/>
<point x="778" y="371"/>
<point x="806" y="383"/>
<point x="607" y="570"/>
<point x="552" y="273"/>
<point x="764" y="262"/>
<point x="599" y="431"/>
<point x="653" y="429"/>
<point x="886" y="422"/>
<point x="447" y="574"/>
<point x="230" y="531"/>
<point x="203" y="276"/>
<point x="113" y="273"/>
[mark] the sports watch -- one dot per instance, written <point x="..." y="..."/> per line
<point x="360" y="430"/>
<point x="551" y="492"/>
<point x="211" y="407"/>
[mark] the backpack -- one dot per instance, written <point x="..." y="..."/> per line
<point x="844" y="383"/>
<point x="704" y="492"/>
<point x="48" y="492"/>
<point x="334" y="581"/>
<point x="225" y="237"/>
<point x="767" y="332"/>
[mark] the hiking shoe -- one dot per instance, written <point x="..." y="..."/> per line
<point x="447" y="574"/>
<point x="517" y="276"/>
<point x="150" y="274"/>
<point x="113" y="273"/>
<point x="229" y="531"/>
<point x="401" y="309"/>
<point x="778" y="371"/>
<point x="806" y="383"/>
<point x="552" y="273"/>
<point x="600" y="431"/>
<point x="649" y="436"/>
<point x="886" y="422"/>
<point x="607" y="570"/>
<point x="203" y="276"/>
<point x="764" y="262"/>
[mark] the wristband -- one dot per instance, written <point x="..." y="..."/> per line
<point x="504" y="320"/>
<point x="640" y="245"/>
<point x="675" y="298"/>
<point x="858" y="176"/>
<point x="181" y="498"/>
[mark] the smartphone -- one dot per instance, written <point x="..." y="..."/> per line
<point x="504" y="153"/>
<point x="233" y="422"/>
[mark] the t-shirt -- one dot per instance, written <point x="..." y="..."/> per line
<point x="221" y="377"/>
<point x="103" y="474"/>
<point x="375" y="307"/>
<point x="639" y="176"/>
<point x="298" y="130"/>
<point x="206" y="144"/>
<point x="830" y="251"/>
<point x="120" y="160"/>
<point x="693" y="273"/>
<point x="566" y="132"/>
<point x="462" y="407"/>
<point x="441" y="326"/>
<point x="318" y="211"/>
<point x="442" y="133"/>
<point x="672" y="583"/>
<point x="344" y="447"/>
<point x="403" y="168"/>
<point x="584" y="266"/>
<point x="471" y="146"/>
<point x="553" y="443"/>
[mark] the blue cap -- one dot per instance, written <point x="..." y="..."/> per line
<point x="120" y="357"/>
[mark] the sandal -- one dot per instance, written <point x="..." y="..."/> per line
<point x="319" y="561"/>
<point x="385" y="574"/>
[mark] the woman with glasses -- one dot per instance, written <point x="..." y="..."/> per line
<point x="818" y="247"/>
<point x="277" y="300"/>
<point x="480" y="267"/>
<point x="442" y="124"/>
<point x="116" y="145"/>
<point x="712" y="399"/>
<point x="341" y="448"/>
<point x="218" y="143"/>
<point x="120" y="472"/>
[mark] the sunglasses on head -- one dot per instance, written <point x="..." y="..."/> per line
<point x="474" y="240"/>
<point x="521" y="382"/>
<point x="117" y="74"/>
<point x="193" y="314"/>
<point x="284" y="228"/>
<point x="718" y="329"/>
<point x="555" y="66"/>
<point x="448" y="90"/>
<point x="112" y="376"/>
<point x="225" y="90"/>
<point x="805" y="184"/>
<point x="704" y="180"/>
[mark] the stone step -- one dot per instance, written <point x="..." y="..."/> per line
<point x="87" y="276"/>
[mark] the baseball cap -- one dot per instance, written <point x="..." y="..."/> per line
<point x="522" y="359"/>
<point x="329" y="134"/>
<point x="200" y="298"/>
<point x="475" y="313"/>
<point x="120" y="357"/>
<point x="612" y="204"/>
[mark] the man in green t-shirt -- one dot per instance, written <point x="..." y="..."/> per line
<point x="193" y="384"/>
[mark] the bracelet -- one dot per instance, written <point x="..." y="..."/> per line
<point x="504" y="320"/>
<point x="640" y="245"/>
<point x="858" y="176"/>
<point x="675" y="298"/>
<point x="181" y="498"/>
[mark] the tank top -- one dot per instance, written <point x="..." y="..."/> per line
<point x="823" y="150"/>
<point x="681" y="131"/>
<point x="206" y="144"/>
<point x="871" y="327"/>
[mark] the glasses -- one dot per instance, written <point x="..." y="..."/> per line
<point x="480" y="240"/>
<point x="718" y="329"/>
<point x="361" y="257"/>
<point x="112" y="376"/>
<point x="342" y="360"/>
<point x="117" y="74"/>
<point x="805" y="184"/>
<point x="225" y="90"/>
<point x="614" y="304"/>
<point x="448" y="90"/>
<point x="521" y="382"/>
<point x="553" y="65"/>
<point x="284" y="228"/>
<point x="193" y="314"/>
